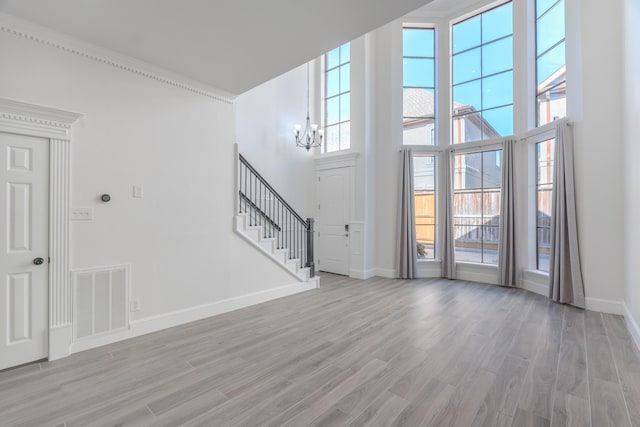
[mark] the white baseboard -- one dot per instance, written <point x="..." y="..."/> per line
<point x="536" y="288"/>
<point x="632" y="325"/>
<point x="604" y="305"/>
<point x="175" y="318"/>
<point x="59" y="342"/>
<point x="387" y="273"/>
<point x="429" y="269"/>
<point x="362" y="274"/>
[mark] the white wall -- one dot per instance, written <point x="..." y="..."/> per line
<point x="631" y="131"/>
<point x="594" y="95"/>
<point x="178" y="144"/>
<point x="265" y="117"/>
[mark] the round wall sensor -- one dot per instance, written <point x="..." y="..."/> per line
<point x="105" y="197"/>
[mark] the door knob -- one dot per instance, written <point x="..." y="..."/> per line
<point x="38" y="261"/>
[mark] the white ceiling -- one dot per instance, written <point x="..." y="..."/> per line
<point x="232" y="45"/>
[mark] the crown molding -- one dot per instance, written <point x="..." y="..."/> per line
<point x="29" y="31"/>
<point x="31" y="119"/>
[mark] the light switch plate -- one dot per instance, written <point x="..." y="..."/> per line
<point x="81" y="214"/>
<point x="138" y="191"/>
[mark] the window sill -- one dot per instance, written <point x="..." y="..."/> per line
<point x="536" y="281"/>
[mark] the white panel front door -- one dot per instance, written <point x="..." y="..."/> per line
<point x="24" y="202"/>
<point x="333" y="200"/>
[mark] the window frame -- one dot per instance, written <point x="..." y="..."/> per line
<point x="434" y="118"/>
<point x="537" y="94"/>
<point x="453" y="117"/>
<point x="338" y="96"/>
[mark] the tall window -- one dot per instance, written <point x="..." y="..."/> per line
<point x="482" y="106"/>
<point x="418" y="85"/>
<point x="337" y="101"/>
<point x="476" y="206"/>
<point x="551" y="72"/>
<point x="424" y="182"/>
<point x="544" y="185"/>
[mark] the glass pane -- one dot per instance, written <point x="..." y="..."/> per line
<point x="333" y="58"/>
<point x="424" y="173"/>
<point x="345" y="135"/>
<point x="492" y="180"/>
<point x="418" y="132"/>
<point x="543" y="5"/>
<point x="497" y="90"/>
<point x="345" y="107"/>
<point x="552" y="104"/>
<point x="468" y="243"/>
<point x="345" y="53"/>
<point x="550" y="29"/>
<point x="467" y="95"/>
<point x="466" y="34"/>
<point x="418" y="102"/>
<point x="333" y="110"/>
<point x="425" y="239"/>
<point x="490" y="241"/>
<point x="345" y="78"/>
<point x="333" y="87"/>
<point x="543" y="212"/>
<point x="551" y="64"/>
<point x="543" y="248"/>
<point x="418" y="72"/>
<point x="466" y="66"/>
<point x="497" y="56"/>
<point x="418" y="42"/>
<point x="331" y="138"/>
<point x="497" y="23"/>
<point x="467" y="128"/>
<point x="544" y="156"/>
<point x="498" y="122"/>
<point x="467" y="175"/>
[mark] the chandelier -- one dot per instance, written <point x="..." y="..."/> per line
<point x="312" y="136"/>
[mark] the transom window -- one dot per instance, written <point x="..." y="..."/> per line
<point x="551" y="70"/>
<point x="544" y="187"/>
<point x="477" y="181"/>
<point x="424" y="183"/>
<point x="337" y="103"/>
<point x="482" y="92"/>
<point x="418" y="85"/>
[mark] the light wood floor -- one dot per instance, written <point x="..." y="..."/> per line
<point x="376" y="352"/>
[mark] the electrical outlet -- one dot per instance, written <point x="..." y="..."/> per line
<point x="134" y="305"/>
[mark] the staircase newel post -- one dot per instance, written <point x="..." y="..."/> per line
<point x="310" y="262"/>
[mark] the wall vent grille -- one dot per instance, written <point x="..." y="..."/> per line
<point x="101" y="301"/>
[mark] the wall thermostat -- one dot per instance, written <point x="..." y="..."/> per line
<point x="105" y="197"/>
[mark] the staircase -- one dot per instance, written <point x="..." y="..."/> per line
<point x="267" y="221"/>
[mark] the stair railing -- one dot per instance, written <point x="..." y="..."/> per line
<point x="266" y="208"/>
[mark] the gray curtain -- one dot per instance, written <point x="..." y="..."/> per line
<point x="507" y="233"/>
<point x="406" y="238"/>
<point x="564" y="269"/>
<point x="448" y="248"/>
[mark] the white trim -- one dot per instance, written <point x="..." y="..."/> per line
<point x="55" y="125"/>
<point x="535" y="281"/>
<point x="29" y="31"/>
<point x="60" y="338"/>
<point x="36" y="120"/>
<point x="338" y="160"/>
<point x="387" y="273"/>
<point x="362" y="274"/>
<point x="239" y="229"/>
<point x="604" y="305"/>
<point x="632" y="325"/>
<point x="179" y="317"/>
<point x="429" y="269"/>
<point x="472" y="272"/>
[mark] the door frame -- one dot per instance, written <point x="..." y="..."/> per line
<point x="325" y="162"/>
<point x="54" y="125"/>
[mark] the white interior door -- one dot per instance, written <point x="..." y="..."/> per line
<point x="24" y="202"/>
<point x="333" y="218"/>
